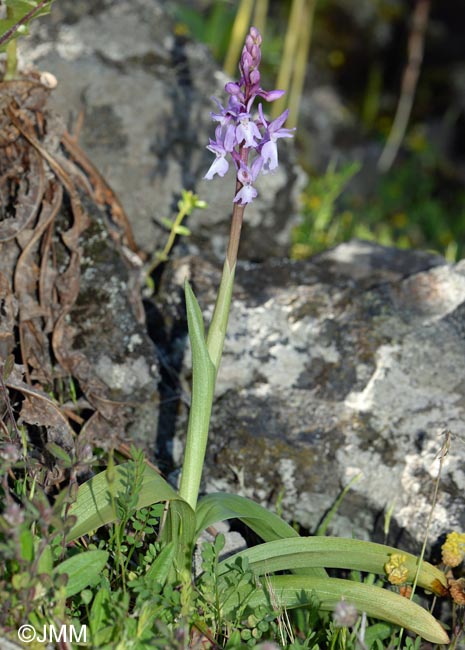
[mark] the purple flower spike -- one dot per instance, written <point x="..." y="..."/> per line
<point x="239" y="135"/>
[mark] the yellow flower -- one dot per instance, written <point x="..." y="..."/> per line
<point x="453" y="549"/>
<point x="396" y="570"/>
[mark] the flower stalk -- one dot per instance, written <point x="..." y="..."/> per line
<point x="250" y="143"/>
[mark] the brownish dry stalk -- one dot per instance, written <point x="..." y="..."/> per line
<point x="416" y="46"/>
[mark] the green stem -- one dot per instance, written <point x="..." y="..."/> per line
<point x="5" y="37"/>
<point x="219" y="322"/>
<point x="163" y="256"/>
<point x="206" y="358"/>
<point x="11" y="61"/>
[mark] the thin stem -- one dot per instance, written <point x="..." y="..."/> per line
<point x="416" y="47"/>
<point x="219" y="322"/>
<point x="163" y="256"/>
<point x="289" y="54"/>
<point x="300" y="66"/>
<point x="11" y="61"/>
<point x="237" y="219"/>
<point x="9" y="33"/>
<point x="442" y="455"/>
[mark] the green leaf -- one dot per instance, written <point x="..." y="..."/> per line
<point x="220" y="507"/>
<point x="26" y="545"/>
<point x="59" y="453"/>
<point x="17" y="10"/>
<point x="100" y="620"/>
<point x="219" y="321"/>
<point x="286" y="592"/>
<point x="160" y="569"/>
<point x="337" y="553"/>
<point x="167" y="223"/>
<point x="203" y="386"/>
<point x="378" y="631"/>
<point x="182" y="230"/>
<point x="82" y="570"/>
<point x="95" y="502"/>
<point x="45" y="561"/>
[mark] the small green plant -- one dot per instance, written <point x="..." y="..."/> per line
<point x="19" y="14"/>
<point x="186" y="204"/>
<point x="261" y="587"/>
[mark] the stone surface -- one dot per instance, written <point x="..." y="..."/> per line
<point x="351" y="363"/>
<point x="146" y="97"/>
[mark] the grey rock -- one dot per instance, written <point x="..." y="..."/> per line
<point x="233" y="543"/>
<point x="349" y="364"/>
<point x="146" y="96"/>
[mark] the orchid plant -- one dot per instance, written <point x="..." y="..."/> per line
<point x="247" y="140"/>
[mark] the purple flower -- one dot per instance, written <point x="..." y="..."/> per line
<point x="221" y="147"/>
<point x="247" y="176"/>
<point x="226" y="115"/>
<point x="247" y="131"/>
<point x="251" y="142"/>
<point x="246" y="195"/>
<point x="269" y="150"/>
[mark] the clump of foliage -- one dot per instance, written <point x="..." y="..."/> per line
<point x="408" y="208"/>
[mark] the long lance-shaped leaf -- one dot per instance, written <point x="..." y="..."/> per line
<point x="220" y="507"/>
<point x="286" y="592"/>
<point x="203" y="386"/>
<point x="95" y="502"/>
<point x="219" y="322"/>
<point x="336" y="553"/>
<point x="82" y="570"/>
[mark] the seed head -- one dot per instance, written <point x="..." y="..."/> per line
<point x="345" y="614"/>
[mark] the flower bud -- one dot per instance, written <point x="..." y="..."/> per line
<point x="255" y="34"/>
<point x="232" y="88"/>
<point x="256" y="54"/>
<point x="255" y="77"/>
